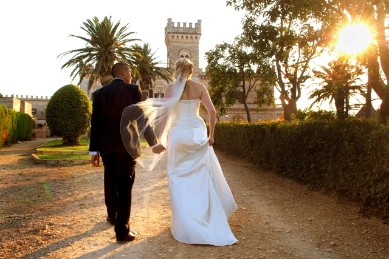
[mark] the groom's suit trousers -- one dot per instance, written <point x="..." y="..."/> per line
<point x="119" y="176"/>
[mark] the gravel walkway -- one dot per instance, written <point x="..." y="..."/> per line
<point x="59" y="212"/>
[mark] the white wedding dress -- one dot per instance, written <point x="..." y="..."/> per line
<point x="201" y="199"/>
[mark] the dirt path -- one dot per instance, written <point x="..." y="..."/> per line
<point x="58" y="212"/>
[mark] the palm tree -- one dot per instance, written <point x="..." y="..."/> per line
<point x="339" y="84"/>
<point x="105" y="44"/>
<point x="146" y="68"/>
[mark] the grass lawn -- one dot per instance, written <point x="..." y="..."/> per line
<point x="52" y="150"/>
<point x="56" y="145"/>
<point x="64" y="156"/>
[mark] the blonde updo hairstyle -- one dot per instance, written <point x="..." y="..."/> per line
<point x="184" y="69"/>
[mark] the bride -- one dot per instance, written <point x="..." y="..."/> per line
<point x="201" y="200"/>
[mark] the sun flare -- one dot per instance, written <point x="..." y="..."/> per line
<point x="354" y="39"/>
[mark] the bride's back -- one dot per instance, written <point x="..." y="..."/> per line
<point x="192" y="90"/>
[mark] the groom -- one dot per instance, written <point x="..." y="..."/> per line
<point x="105" y="141"/>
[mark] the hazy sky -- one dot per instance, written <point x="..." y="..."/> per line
<point x="35" y="32"/>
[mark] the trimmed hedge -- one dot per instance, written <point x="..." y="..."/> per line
<point x="68" y="114"/>
<point x="350" y="157"/>
<point x="14" y="126"/>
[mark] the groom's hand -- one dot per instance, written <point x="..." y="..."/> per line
<point x="158" y="149"/>
<point x="95" y="160"/>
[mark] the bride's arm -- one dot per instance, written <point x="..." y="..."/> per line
<point x="207" y="102"/>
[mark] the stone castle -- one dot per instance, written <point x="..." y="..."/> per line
<point x="180" y="41"/>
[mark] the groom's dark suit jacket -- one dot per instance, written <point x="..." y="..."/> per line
<point x="119" y="167"/>
<point x="108" y="104"/>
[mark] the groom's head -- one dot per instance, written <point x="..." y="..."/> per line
<point x="121" y="70"/>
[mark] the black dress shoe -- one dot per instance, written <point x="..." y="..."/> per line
<point x="111" y="221"/>
<point x="131" y="236"/>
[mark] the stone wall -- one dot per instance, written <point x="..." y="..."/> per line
<point x="11" y="103"/>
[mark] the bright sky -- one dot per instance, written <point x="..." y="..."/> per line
<point x="35" y="32"/>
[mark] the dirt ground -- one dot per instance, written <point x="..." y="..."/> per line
<point x="59" y="212"/>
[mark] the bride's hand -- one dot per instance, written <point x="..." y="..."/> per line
<point x="211" y="141"/>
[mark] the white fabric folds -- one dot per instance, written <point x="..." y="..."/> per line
<point x="200" y="197"/>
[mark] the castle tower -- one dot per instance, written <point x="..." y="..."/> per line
<point x="183" y="42"/>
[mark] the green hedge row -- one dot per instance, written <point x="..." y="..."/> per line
<point x="350" y="157"/>
<point x="14" y="126"/>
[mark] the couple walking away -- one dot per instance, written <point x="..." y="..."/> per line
<point x="201" y="200"/>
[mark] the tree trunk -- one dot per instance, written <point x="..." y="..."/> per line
<point x="289" y="109"/>
<point x="384" y="58"/>
<point x="339" y="104"/>
<point x="368" y="99"/>
<point x="70" y="141"/>
<point x="384" y="108"/>
<point x="106" y="79"/>
<point x="247" y="111"/>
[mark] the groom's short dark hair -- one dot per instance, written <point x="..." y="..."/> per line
<point x="118" y="67"/>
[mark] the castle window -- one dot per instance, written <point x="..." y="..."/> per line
<point x="184" y="53"/>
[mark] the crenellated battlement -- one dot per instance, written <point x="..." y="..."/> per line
<point x="31" y="98"/>
<point x="171" y="28"/>
<point x="182" y="39"/>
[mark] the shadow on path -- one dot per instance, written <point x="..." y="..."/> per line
<point x="46" y="250"/>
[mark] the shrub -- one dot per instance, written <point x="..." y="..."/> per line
<point x="5" y="125"/>
<point x="14" y="126"/>
<point x="314" y="115"/>
<point x="346" y="156"/>
<point x="24" y="126"/>
<point x="68" y="114"/>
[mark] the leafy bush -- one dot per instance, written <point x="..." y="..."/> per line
<point x="314" y="115"/>
<point x="68" y="114"/>
<point x="347" y="156"/>
<point x="24" y="126"/>
<point x="14" y="126"/>
<point x="5" y="125"/>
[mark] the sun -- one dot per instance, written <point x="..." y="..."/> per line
<point x="354" y="39"/>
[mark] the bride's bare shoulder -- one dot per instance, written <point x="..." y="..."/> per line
<point x="195" y="83"/>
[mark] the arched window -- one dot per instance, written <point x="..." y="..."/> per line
<point x="184" y="53"/>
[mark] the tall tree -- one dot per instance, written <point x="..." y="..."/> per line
<point x="236" y="72"/>
<point x="147" y="68"/>
<point x="339" y="83"/>
<point x="381" y="87"/>
<point x="356" y="11"/>
<point x="375" y="14"/>
<point x="290" y="33"/>
<point x="105" y="43"/>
